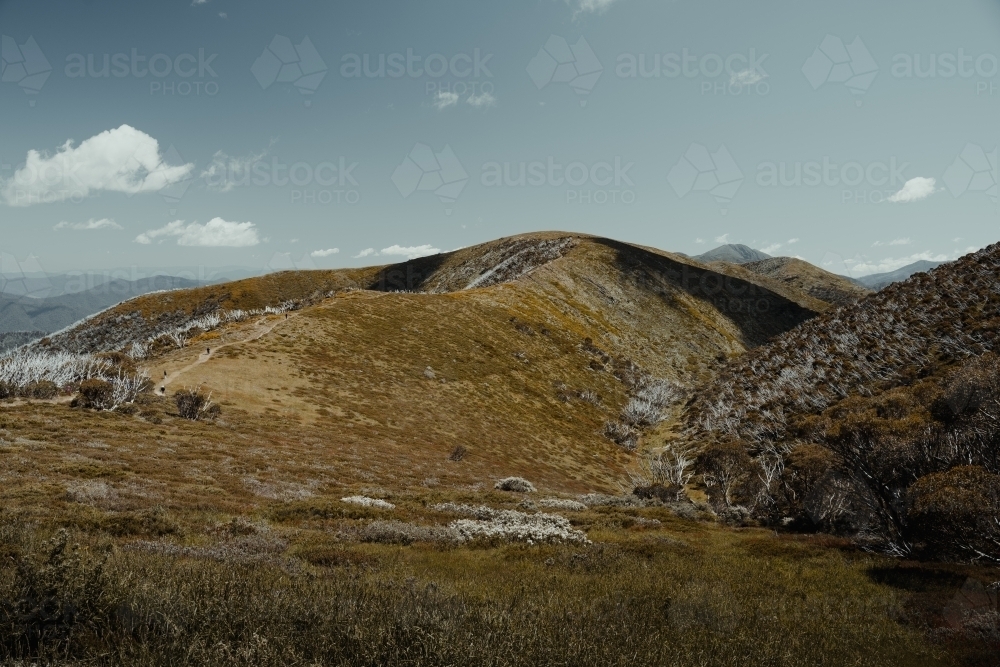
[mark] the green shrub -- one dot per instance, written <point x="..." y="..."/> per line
<point x="96" y="394"/>
<point x="194" y="405"/>
<point x="42" y="390"/>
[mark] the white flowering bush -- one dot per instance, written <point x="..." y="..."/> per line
<point x="516" y="484"/>
<point x="365" y="501"/>
<point x="602" y="500"/>
<point x="510" y="525"/>
<point x="561" y="504"/>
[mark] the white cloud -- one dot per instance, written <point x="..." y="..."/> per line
<point x="774" y="247"/>
<point x="792" y="241"/>
<point x="120" y="160"/>
<point x="445" y="99"/>
<point x="227" y="171"/>
<point x="216" y="233"/>
<point x="747" y="77"/>
<point x="722" y="239"/>
<point x="591" y="6"/>
<point x="902" y="241"/>
<point x="223" y="15"/>
<point x="915" y="189"/>
<point x="483" y="100"/>
<point x="325" y="253"/>
<point x="103" y="223"/>
<point x="699" y="241"/>
<point x="410" y="252"/>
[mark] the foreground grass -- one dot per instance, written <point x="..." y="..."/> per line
<point x="682" y="594"/>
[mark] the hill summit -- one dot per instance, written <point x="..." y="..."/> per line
<point x="736" y="253"/>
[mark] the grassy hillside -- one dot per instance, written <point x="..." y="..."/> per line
<point x="812" y="280"/>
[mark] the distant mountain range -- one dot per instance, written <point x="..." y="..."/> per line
<point x="877" y="281"/>
<point x="22" y="312"/>
<point x="737" y="253"/>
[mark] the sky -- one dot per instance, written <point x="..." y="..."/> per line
<point x="858" y="136"/>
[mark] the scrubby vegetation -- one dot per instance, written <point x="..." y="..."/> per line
<point x="880" y="421"/>
<point x="195" y="405"/>
<point x="656" y="593"/>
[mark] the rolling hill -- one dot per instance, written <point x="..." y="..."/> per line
<point x="810" y="279"/>
<point x="735" y="253"/>
<point x="522" y="349"/>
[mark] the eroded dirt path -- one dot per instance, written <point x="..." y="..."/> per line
<point x="210" y="351"/>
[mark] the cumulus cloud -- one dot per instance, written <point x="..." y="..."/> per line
<point x="120" y="160"/>
<point x="699" y="240"/>
<point x="483" y="100"/>
<point x="216" y="233"/>
<point x="103" y="223"/>
<point x="410" y="252"/>
<point x="722" y="239"/>
<point x="915" y="189"/>
<point x="445" y="99"/>
<point x="325" y="253"/>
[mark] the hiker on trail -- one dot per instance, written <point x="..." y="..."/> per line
<point x="163" y="389"/>
<point x="208" y="350"/>
<point x="164" y="375"/>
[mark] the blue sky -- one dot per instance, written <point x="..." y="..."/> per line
<point x="269" y="134"/>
